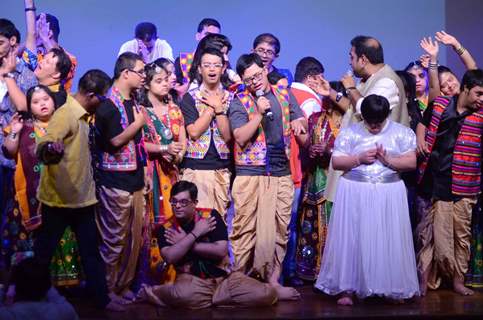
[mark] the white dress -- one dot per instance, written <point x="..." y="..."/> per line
<point x="369" y="249"/>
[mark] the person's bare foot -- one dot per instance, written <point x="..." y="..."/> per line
<point x="115" y="306"/>
<point x="118" y="299"/>
<point x="286" y="293"/>
<point x="128" y="295"/>
<point x="459" y="287"/>
<point x="345" y="300"/>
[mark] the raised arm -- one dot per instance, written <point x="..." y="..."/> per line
<point x="432" y="48"/>
<point x="30" y="42"/>
<point x="464" y="54"/>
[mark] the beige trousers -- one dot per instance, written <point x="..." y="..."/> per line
<point x="446" y="235"/>
<point x="191" y="292"/>
<point x="120" y="220"/>
<point x="213" y="188"/>
<point x="259" y="233"/>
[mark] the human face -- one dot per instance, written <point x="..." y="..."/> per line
<point x="171" y="75"/>
<point x="256" y="78"/>
<point x="211" y="68"/>
<point x="474" y="97"/>
<point x="356" y="63"/>
<point x="46" y="71"/>
<point x="421" y="80"/>
<point x="374" y="128"/>
<point x="136" y="75"/>
<point x="6" y="45"/>
<point x="149" y="43"/>
<point x="42" y="105"/>
<point x="159" y="85"/>
<point x="449" y="84"/>
<point x="206" y="31"/>
<point x="184" y="208"/>
<point x="267" y="53"/>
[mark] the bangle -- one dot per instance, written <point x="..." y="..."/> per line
<point x="30" y="9"/>
<point x="221" y="113"/>
<point x="191" y="232"/>
<point x="460" y="50"/>
<point x="163" y="148"/>
<point x="432" y="65"/>
<point x="12" y="135"/>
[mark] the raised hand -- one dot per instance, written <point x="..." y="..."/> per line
<point x="425" y="59"/>
<point x="446" y="39"/>
<point x="320" y="85"/>
<point x="43" y="28"/>
<point x="348" y="81"/>
<point x="9" y="62"/>
<point x="143" y="51"/>
<point x="430" y="47"/>
<point x="16" y="123"/>
<point x="139" y="116"/>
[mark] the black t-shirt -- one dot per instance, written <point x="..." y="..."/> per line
<point x="60" y="97"/>
<point x="278" y="164"/>
<point x="200" y="266"/>
<point x="438" y="175"/>
<point x="108" y="126"/>
<point x="212" y="160"/>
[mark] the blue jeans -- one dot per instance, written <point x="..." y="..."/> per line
<point x="289" y="264"/>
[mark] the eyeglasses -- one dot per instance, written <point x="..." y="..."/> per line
<point x="263" y="52"/>
<point x="208" y="65"/>
<point x="140" y="73"/>
<point x="256" y="77"/>
<point x="182" y="203"/>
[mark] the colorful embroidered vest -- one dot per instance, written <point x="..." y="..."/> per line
<point x="255" y="153"/>
<point x="466" y="164"/>
<point x="198" y="149"/>
<point x="123" y="159"/>
<point x="185" y="62"/>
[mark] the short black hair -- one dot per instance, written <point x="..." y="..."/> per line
<point x="31" y="280"/>
<point x="53" y="25"/>
<point x="471" y="79"/>
<point x="443" y="69"/>
<point x="145" y="31"/>
<point x="246" y="61"/>
<point x="206" y="22"/>
<point x="369" y="47"/>
<point x="64" y="65"/>
<point x="127" y="60"/>
<point x="375" y="108"/>
<point x="8" y="30"/>
<point x="182" y="186"/>
<point x="268" y="38"/>
<point x="94" y="81"/>
<point x="308" y="66"/>
<point x="212" y="40"/>
<point x="30" y="93"/>
<point x="414" y="64"/>
<point x="274" y="77"/>
<point x="409" y="83"/>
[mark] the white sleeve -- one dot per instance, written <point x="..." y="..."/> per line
<point x="129" y="46"/>
<point x="383" y="87"/>
<point x="309" y="107"/>
<point x="167" y="51"/>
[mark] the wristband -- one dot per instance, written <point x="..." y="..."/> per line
<point x="163" y="148"/>
<point x="191" y="232"/>
<point x="30" y="9"/>
<point x="460" y="50"/>
<point x="12" y="135"/>
<point x="221" y="113"/>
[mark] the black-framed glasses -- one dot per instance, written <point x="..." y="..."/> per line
<point x="263" y="52"/>
<point x="256" y="77"/>
<point x="141" y="73"/>
<point x="182" y="203"/>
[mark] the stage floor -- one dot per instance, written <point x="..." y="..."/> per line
<point x="441" y="304"/>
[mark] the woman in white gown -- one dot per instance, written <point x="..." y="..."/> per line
<point x="369" y="251"/>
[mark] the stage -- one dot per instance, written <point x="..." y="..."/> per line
<point x="441" y="304"/>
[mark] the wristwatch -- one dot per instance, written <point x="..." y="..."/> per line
<point x="347" y="90"/>
<point x="221" y="113"/>
<point x="10" y="75"/>
<point x="338" y="96"/>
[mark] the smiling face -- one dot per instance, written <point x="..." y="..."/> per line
<point x="42" y="105"/>
<point x="474" y="97"/>
<point x="449" y="84"/>
<point x="211" y="68"/>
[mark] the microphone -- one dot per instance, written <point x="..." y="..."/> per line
<point x="268" y="112"/>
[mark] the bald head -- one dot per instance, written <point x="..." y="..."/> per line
<point x="369" y="47"/>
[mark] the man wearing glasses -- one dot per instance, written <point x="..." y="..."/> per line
<point x="207" y="158"/>
<point x="263" y="189"/>
<point x="195" y="242"/>
<point x="267" y="46"/>
<point x="119" y="121"/>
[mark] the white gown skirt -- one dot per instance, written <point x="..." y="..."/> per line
<point x="369" y="250"/>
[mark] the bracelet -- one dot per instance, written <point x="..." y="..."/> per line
<point x="30" y="9"/>
<point x="12" y="135"/>
<point x="433" y="65"/>
<point x="163" y="148"/>
<point x="191" y="232"/>
<point x="460" y="50"/>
